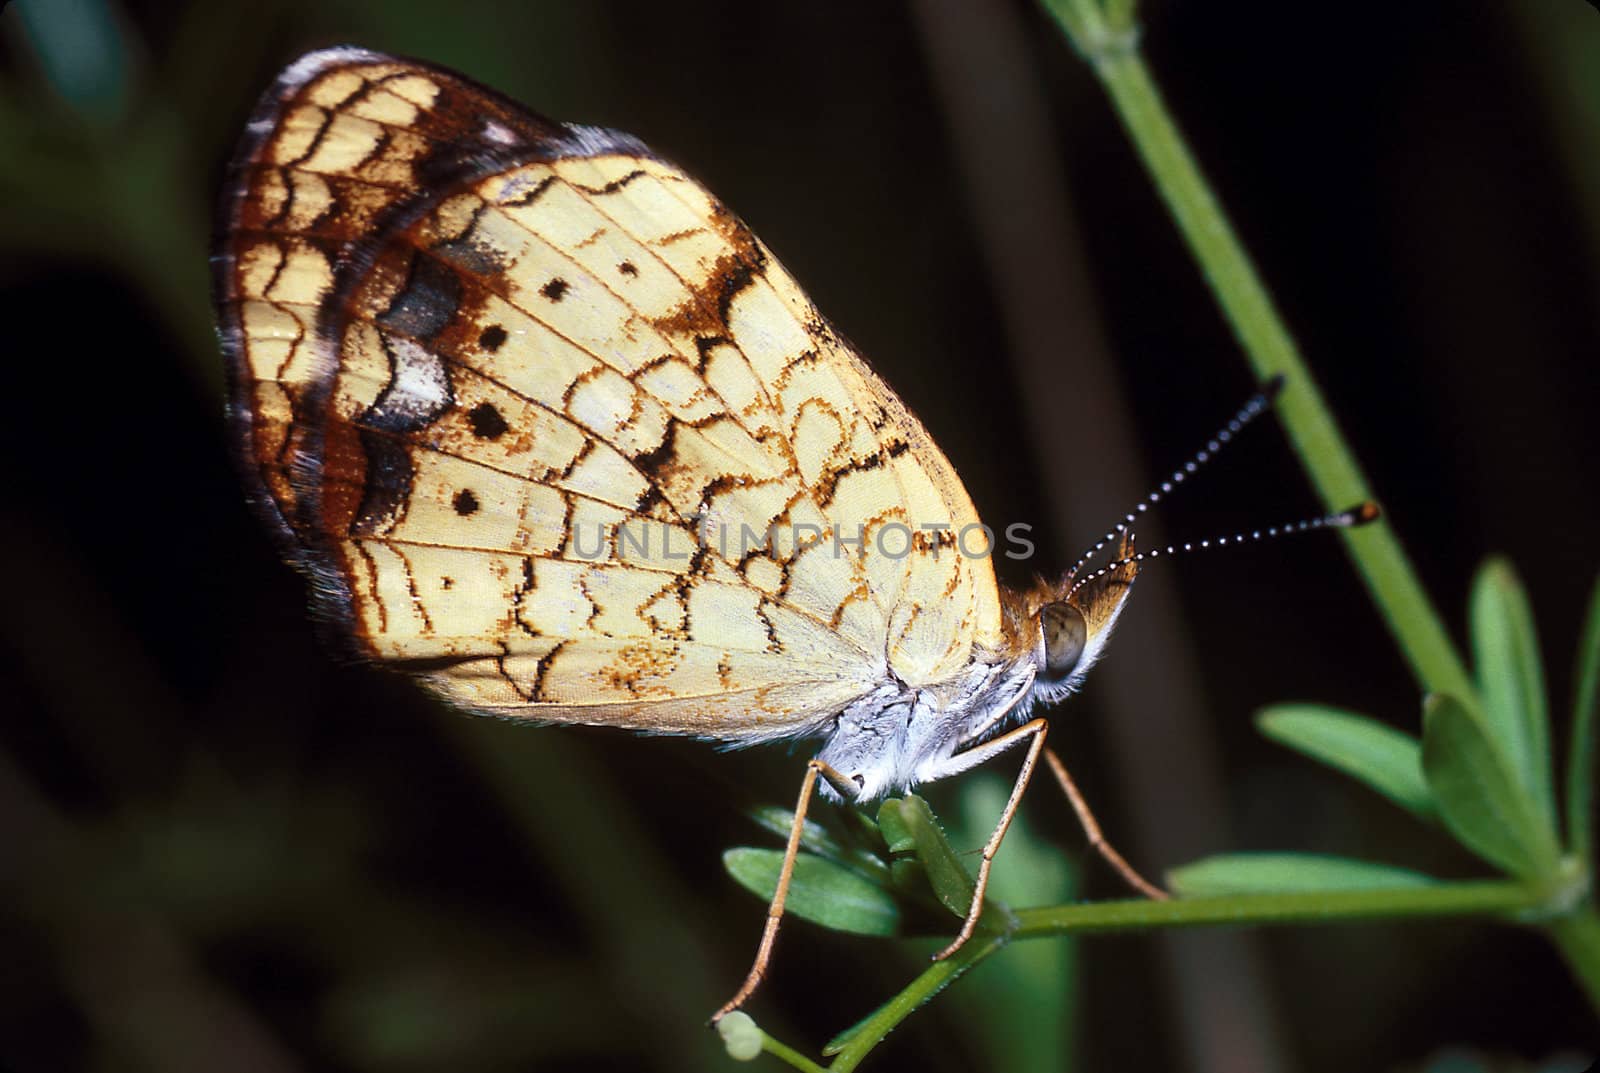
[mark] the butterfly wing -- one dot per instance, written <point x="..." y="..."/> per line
<point x="543" y="422"/>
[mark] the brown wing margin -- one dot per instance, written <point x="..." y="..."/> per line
<point x="468" y="131"/>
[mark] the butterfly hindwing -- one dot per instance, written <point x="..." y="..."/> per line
<point x="543" y="421"/>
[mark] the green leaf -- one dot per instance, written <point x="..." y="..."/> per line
<point x="1480" y="799"/>
<point x="946" y="874"/>
<point x="81" y="49"/>
<point x="1511" y="678"/>
<point x="1025" y="1015"/>
<point x="1027" y="871"/>
<point x="896" y="835"/>
<point x="864" y="830"/>
<point x="1580" y="760"/>
<point x="820" y="891"/>
<point x="1386" y="759"/>
<point x="815" y="838"/>
<point x="1276" y="873"/>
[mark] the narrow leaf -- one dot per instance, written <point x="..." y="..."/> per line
<point x="1580" y="760"/>
<point x="815" y="838"/>
<point x="865" y="830"/>
<point x="1384" y="758"/>
<point x="820" y="891"/>
<point x="1480" y="800"/>
<point x="82" y="52"/>
<point x="1027" y="871"/>
<point x="946" y="874"/>
<point x="907" y="876"/>
<point x="1511" y="678"/>
<point x="1026" y="1016"/>
<point x="1278" y="873"/>
<point x="896" y="835"/>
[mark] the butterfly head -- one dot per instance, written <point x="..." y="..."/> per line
<point x="1070" y="622"/>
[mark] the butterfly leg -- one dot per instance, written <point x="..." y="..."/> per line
<point x="1091" y="827"/>
<point x="848" y="790"/>
<point x="969" y="759"/>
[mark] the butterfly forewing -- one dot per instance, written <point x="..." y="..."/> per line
<point x="540" y="417"/>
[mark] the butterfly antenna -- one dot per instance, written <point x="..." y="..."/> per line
<point x="1258" y="404"/>
<point x="1360" y="514"/>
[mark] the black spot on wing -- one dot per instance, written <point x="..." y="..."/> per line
<point x="486" y="422"/>
<point x="492" y="338"/>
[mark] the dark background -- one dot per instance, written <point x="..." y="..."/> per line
<point x="219" y="849"/>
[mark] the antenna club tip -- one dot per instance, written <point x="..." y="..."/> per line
<point x="1272" y="386"/>
<point x="1364" y="512"/>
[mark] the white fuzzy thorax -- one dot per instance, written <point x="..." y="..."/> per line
<point x="898" y="736"/>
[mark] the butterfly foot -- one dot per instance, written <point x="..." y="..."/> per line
<point x="957" y="944"/>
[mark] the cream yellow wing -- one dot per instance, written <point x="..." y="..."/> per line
<point x="545" y="424"/>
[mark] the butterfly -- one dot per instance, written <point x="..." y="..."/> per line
<point x="547" y="427"/>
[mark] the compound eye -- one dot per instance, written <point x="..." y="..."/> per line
<point x="1065" y="633"/>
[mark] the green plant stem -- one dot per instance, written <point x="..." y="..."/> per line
<point x="1577" y="936"/>
<point x="1112" y="51"/>
<point x="1474" y="898"/>
<point x="779" y="1049"/>
<point x="932" y="980"/>
<point x="1119" y="13"/>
